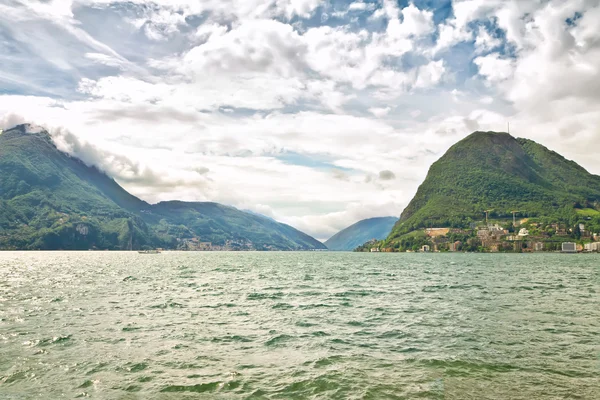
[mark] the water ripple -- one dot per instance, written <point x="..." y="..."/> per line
<point x="298" y="325"/>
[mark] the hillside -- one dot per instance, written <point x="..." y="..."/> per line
<point x="361" y="232"/>
<point x="221" y="224"/>
<point x="497" y="172"/>
<point x="50" y="200"/>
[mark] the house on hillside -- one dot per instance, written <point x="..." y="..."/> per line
<point x="425" y="249"/>
<point x="538" y="246"/>
<point x="523" y="232"/>
<point x="495" y="228"/>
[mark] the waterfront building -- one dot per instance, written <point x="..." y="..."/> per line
<point x="569" y="247"/>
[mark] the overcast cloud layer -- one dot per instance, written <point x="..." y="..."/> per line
<point x="315" y="113"/>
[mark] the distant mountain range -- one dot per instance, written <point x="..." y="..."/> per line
<point x="497" y="173"/>
<point x="50" y="200"/>
<point x="361" y="232"/>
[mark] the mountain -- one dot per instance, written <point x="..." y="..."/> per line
<point x="361" y="232"/>
<point x="50" y="200"/>
<point x="258" y="214"/>
<point x="497" y="172"/>
<point x="217" y="223"/>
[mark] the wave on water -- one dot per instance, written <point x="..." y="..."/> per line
<point x="298" y="326"/>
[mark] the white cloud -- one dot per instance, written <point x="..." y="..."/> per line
<point x="105" y="59"/>
<point x="301" y="8"/>
<point x="485" y="41"/>
<point x="416" y="22"/>
<point x="380" y="111"/>
<point x="258" y="46"/>
<point x="205" y="31"/>
<point x="494" y="68"/>
<point x="361" y="6"/>
<point x="159" y="24"/>
<point x="10" y="120"/>
<point x="430" y="74"/>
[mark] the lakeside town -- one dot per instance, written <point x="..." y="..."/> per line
<point x="518" y="236"/>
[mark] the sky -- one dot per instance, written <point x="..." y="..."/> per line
<point x="315" y="113"/>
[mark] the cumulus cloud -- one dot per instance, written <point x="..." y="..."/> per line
<point x="494" y="68"/>
<point x="485" y="41"/>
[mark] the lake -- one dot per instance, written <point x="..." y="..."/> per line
<point x="122" y="325"/>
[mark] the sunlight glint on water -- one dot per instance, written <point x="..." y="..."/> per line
<point x="299" y="325"/>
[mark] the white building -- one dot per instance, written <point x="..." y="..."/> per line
<point x="425" y="249"/>
<point x="569" y="247"/>
<point x="375" y="250"/>
<point x="592" y="247"/>
<point x="523" y="232"/>
<point x="539" y="246"/>
<point x="495" y="228"/>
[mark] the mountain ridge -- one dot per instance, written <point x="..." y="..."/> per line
<point x="51" y="200"/>
<point x="358" y="233"/>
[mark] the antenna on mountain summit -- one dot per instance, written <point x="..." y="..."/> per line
<point x="508" y="127"/>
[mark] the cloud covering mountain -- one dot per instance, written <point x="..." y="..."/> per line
<point x="316" y="113"/>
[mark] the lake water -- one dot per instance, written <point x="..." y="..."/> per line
<point x="299" y="325"/>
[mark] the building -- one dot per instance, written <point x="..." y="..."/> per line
<point x="592" y="247"/>
<point x="483" y="234"/>
<point x="425" y="249"/>
<point x="569" y="247"/>
<point x="523" y="232"/>
<point x="495" y="229"/>
<point x="375" y="250"/>
<point x="538" y="246"/>
<point x="455" y="246"/>
<point x="517" y="246"/>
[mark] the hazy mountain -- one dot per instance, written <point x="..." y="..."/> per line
<point x="50" y="200"/>
<point x="496" y="172"/>
<point x="361" y="232"/>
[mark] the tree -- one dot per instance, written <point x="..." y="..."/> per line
<point x="576" y="232"/>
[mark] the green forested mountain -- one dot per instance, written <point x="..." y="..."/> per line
<point x="361" y="232"/>
<point x="497" y="172"/>
<point x="50" y="200"/>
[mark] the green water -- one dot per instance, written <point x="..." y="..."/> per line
<point x="299" y="326"/>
